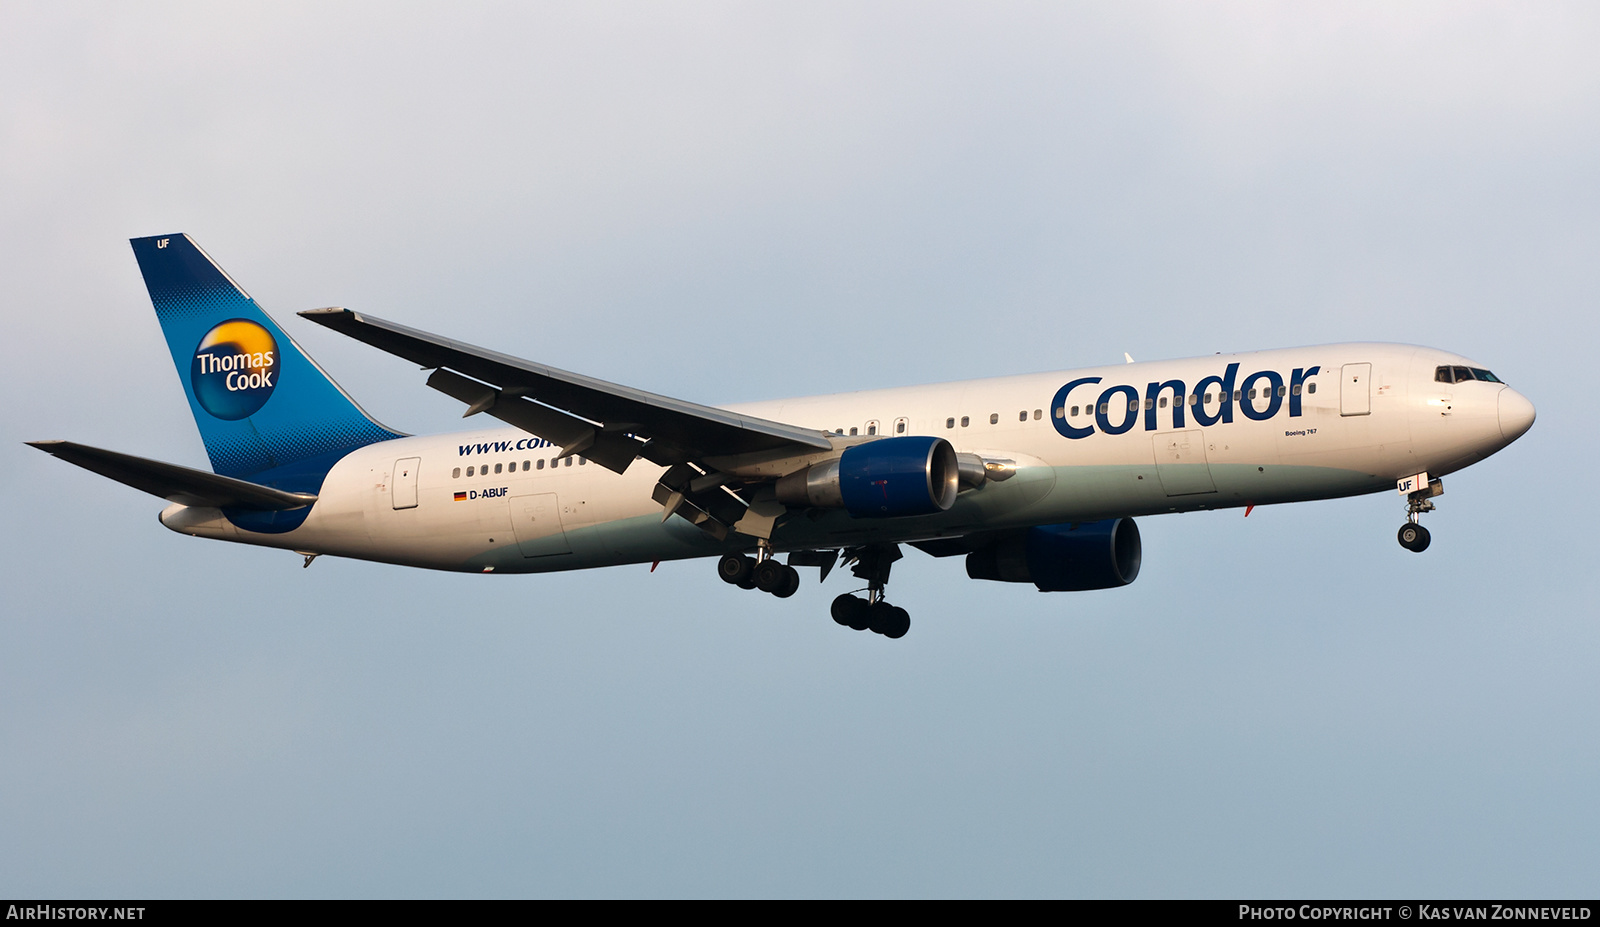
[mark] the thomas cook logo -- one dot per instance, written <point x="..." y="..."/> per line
<point x="235" y="369"/>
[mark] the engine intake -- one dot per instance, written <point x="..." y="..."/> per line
<point x="1064" y="558"/>
<point x="887" y="478"/>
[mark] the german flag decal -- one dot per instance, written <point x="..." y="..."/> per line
<point x="461" y="497"/>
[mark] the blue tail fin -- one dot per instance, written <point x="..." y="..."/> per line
<point x="261" y="404"/>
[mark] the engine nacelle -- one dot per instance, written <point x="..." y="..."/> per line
<point x="887" y="478"/>
<point x="1064" y="558"/>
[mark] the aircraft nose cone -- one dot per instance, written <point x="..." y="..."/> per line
<point x="1516" y="414"/>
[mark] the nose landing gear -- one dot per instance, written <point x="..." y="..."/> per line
<point x="1413" y="536"/>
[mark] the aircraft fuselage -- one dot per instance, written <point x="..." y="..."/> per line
<point x="1128" y="439"/>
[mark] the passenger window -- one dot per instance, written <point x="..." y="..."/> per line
<point x="1311" y="387"/>
<point x="497" y="468"/>
<point x="949" y="423"/>
<point x="1149" y="403"/>
<point x="1061" y="411"/>
<point x="1105" y="407"/>
<point x="1022" y="416"/>
<point x="1074" y="410"/>
<point x="569" y="462"/>
<point x="1282" y="390"/>
<point x="994" y="418"/>
<point x="1133" y="405"/>
<point x="899" y="428"/>
<point x="541" y="463"/>
<point x="1297" y="389"/>
<point x="582" y="461"/>
<point x="469" y="471"/>
<point x="965" y="421"/>
<point x="852" y="432"/>
<point x="1037" y="414"/>
<point x="1163" y="402"/>
<point x="1194" y="399"/>
<point x="872" y="428"/>
<point x="455" y="474"/>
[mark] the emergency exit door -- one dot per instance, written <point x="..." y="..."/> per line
<point x="1355" y="390"/>
<point x="405" y="482"/>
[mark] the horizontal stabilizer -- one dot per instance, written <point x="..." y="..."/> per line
<point x="174" y="483"/>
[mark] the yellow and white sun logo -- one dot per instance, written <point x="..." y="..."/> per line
<point x="235" y="369"/>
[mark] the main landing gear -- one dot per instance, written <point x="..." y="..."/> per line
<point x="875" y="615"/>
<point x="766" y="574"/>
<point x="1413" y="536"/>
<point x="872" y="613"/>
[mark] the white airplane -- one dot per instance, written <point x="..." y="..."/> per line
<point x="1033" y="479"/>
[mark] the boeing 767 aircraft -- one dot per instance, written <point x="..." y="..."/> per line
<point x="1032" y="479"/>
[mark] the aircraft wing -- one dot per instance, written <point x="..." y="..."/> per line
<point x="608" y="423"/>
<point x="174" y="483"/>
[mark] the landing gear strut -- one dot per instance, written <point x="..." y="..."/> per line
<point x="1413" y="536"/>
<point x="873" y="613"/>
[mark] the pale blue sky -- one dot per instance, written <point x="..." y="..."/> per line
<point x="741" y="201"/>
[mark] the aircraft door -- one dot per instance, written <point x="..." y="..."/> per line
<point x="536" y="519"/>
<point x="1181" y="463"/>
<point x="1355" y="390"/>
<point x="405" y="482"/>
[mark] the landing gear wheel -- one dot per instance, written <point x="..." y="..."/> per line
<point x="1414" y="537"/>
<point x="881" y="617"/>
<point x="770" y="576"/>
<point x="897" y="624"/>
<point x="791" y="583"/>
<point x="845" y="608"/>
<point x="735" y="569"/>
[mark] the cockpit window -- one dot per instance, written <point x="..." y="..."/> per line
<point x="1463" y="375"/>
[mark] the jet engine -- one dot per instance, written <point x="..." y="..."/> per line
<point x="1064" y="558"/>
<point x="887" y="478"/>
